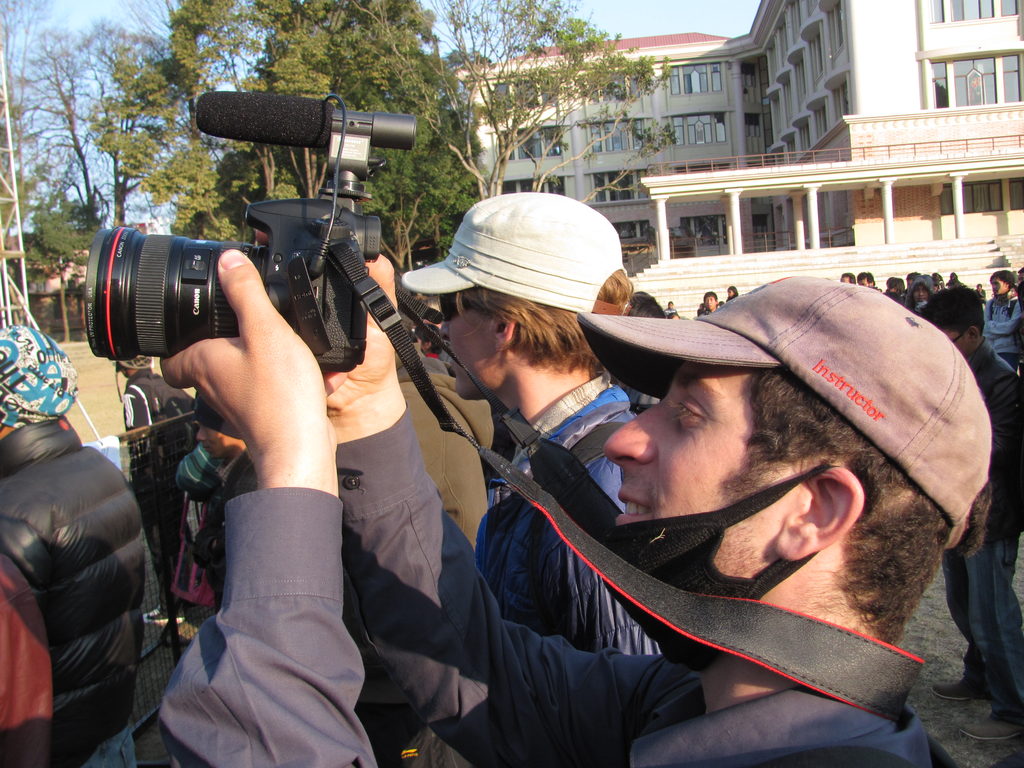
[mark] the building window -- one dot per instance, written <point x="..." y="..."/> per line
<point x="821" y="121"/>
<point x="609" y="187"/>
<point x="969" y="10"/>
<point x="704" y="129"/>
<point x="633" y="230"/>
<point x="621" y="136"/>
<point x="749" y="74"/>
<point x="805" y="135"/>
<point x="699" y="129"/>
<point x="1011" y="78"/>
<point x="972" y="10"/>
<point x="974" y="81"/>
<point x="801" y="82"/>
<point x="841" y="100"/>
<point x="695" y="78"/>
<point x="1016" y="194"/>
<point x="555" y="185"/>
<point x="940" y="85"/>
<point x="535" y="148"/>
<point x="752" y="121"/>
<point x="837" y="27"/>
<point x="817" y="60"/>
<point x="979" y="197"/>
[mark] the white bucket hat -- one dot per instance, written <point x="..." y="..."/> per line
<point x="546" y="248"/>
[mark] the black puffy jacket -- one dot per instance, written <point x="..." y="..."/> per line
<point x="69" y="521"/>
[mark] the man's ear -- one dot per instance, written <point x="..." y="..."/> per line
<point x="504" y="330"/>
<point x="833" y="504"/>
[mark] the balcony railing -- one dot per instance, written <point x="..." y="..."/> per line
<point x="875" y="154"/>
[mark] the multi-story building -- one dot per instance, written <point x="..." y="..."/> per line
<point x="832" y="122"/>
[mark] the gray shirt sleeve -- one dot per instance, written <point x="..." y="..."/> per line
<point x="274" y="677"/>
<point x="499" y="693"/>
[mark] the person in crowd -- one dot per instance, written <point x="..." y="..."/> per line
<point x="831" y="457"/>
<point x="938" y="283"/>
<point x="1002" y="318"/>
<point x="147" y="398"/>
<point x="954" y="281"/>
<point x="979" y="589"/>
<point x="670" y="311"/>
<point x="919" y="291"/>
<point x="848" y="277"/>
<point x="70" y="523"/>
<point x="216" y="470"/>
<point x="642" y="304"/>
<point x="520" y="267"/>
<point x="731" y="293"/>
<point x="451" y="461"/>
<point x="709" y="305"/>
<point x="895" y="289"/>
<point x="866" y="279"/>
<point x="26" y="681"/>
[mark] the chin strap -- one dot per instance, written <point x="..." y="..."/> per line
<point x="837" y="662"/>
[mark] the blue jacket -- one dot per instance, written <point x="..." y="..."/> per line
<point x="535" y="577"/>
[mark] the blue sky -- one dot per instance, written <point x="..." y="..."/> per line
<point x="630" y="18"/>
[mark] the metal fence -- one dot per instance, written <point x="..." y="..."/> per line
<point x="149" y="459"/>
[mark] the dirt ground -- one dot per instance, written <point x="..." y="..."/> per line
<point x="931" y="636"/>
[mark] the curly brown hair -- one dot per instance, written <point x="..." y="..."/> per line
<point x="895" y="548"/>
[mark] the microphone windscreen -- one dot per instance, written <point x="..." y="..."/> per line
<point x="265" y="118"/>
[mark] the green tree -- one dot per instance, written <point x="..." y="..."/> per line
<point x="523" y="74"/>
<point x="59" y="241"/>
<point x="132" y="111"/>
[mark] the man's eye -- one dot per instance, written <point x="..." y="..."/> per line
<point x="681" y="410"/>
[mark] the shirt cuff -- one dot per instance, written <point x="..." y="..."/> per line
<point x="380" y="473"/>
<point x="283" y="541"/>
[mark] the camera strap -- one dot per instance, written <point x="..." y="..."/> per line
<point x="837" y="662"/>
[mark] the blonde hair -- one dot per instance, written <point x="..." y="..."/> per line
<point x="548" y="337"/>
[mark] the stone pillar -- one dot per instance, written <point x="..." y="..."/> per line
<point x="887" y="213"/>
<point x="735" y="222"/>
<point x="798" y="219"/>
<point x="958" y="205"/>
<point x="812" y="215"/>
<point x="661" y="222"/>
<point x="739" y="120"/>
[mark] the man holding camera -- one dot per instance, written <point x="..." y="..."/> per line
<point x="836" y="493"/>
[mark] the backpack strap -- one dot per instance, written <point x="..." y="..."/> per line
<point x="591" y="445"/>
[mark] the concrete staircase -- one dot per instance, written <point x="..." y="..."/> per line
<point x="685" y="281"/>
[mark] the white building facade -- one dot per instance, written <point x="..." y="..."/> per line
<point x="832" y="122"/>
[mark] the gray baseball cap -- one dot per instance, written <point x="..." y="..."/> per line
<point x="894" y="376"/>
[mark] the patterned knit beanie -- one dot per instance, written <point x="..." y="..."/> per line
<point x="37" y="380"/>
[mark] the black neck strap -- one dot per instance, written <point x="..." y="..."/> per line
<point x="835" y="661"/>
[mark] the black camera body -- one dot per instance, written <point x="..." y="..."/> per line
<point x="157" y="294"/>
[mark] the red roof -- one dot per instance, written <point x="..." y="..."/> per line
<point x="657" y="41"/>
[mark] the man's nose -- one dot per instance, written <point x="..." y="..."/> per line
<point x="632" y="441"/>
